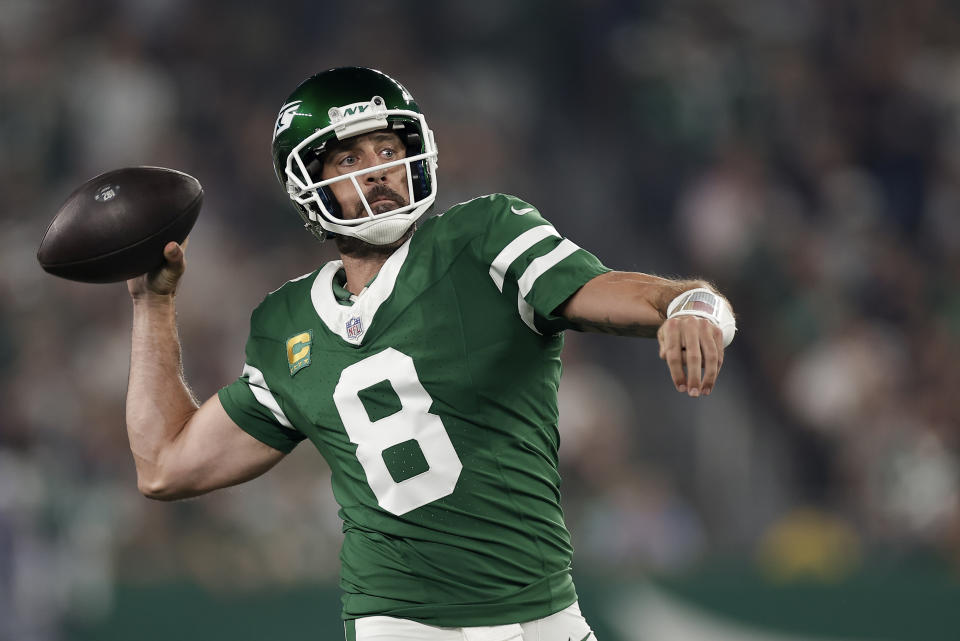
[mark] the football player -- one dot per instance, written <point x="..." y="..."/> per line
<point x="423" y="365"/>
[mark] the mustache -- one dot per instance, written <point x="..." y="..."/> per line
<point x="381" y="192"/>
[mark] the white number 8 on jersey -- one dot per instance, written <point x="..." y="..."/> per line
<point x="412" y="421"/>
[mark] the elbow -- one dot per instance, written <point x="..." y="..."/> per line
<point x="158" y="488"/>
<point x="154" y="490"/>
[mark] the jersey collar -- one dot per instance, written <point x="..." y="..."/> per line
<point x="340" y="291"/>
<point x="351" y="322"/>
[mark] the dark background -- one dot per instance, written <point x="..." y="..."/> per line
<point x="801" y="154"/>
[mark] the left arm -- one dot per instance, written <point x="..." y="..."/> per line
<point x="633" y="304"/>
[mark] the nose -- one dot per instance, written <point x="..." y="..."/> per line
<point x="375" y="176"/>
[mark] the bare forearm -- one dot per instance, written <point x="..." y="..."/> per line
<point x="624" y="303"/>
<point x="159" y="403"/>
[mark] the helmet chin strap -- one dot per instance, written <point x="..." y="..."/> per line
<point x="381" y="232"/>
<point x="383" y="228"/>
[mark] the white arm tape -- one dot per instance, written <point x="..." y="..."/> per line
<point x="707" y="304"/>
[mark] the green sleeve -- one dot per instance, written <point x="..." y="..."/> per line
<point x="527" y="257"/>
<point x="255" y="419"/>
<point x="252" y="402"/>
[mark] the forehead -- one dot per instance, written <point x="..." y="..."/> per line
<point x="374" y="137"/>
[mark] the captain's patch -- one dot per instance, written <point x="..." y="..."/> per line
<point x="298" y="351"/>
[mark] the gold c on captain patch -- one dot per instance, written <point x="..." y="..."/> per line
<point x="298" y="351"/>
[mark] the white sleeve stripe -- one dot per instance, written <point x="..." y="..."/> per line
<point x="536" y="268"/>
<point x="520" y="244"/>
<point x="533" y="272"/>
<point x="258" y="385"/>
<point x="526" y="313"/>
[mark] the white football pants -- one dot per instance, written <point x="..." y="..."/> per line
<point x="566" y="625"/>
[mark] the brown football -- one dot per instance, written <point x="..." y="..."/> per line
<point x="115" y="226"/>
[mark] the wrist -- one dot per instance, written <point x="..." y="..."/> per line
<point x="705" y="303"/>
<point x="152" y="299"/>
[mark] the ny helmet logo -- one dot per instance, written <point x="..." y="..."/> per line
<point x="287" y="114"/>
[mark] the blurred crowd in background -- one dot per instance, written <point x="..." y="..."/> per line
<point x="803" y="155"/>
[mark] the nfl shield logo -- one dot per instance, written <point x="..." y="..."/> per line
<point x="354" y="328"/>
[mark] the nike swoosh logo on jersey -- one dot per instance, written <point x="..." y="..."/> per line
<point x="521" y="212"/>
<point x="584" y="638"/>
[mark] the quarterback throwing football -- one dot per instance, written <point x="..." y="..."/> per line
<point x="423" y="365"/>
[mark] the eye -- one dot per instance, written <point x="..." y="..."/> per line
<point x="388" y="153"/>
<point x="347" y="160"/>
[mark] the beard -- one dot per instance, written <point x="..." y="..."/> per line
<point x="357" y="248"/>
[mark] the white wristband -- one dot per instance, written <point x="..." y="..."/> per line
<point x="707" y="304"/>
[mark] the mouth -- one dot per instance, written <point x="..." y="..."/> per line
<point x="383" y="205"/>
<point x="380" y="200"/>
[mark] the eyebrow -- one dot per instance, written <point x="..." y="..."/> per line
<point x="381" y="135"/>
<point x="350" y="143"/>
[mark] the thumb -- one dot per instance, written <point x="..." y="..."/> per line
<point x="162" y="280"/>
<point x="165" y="279"/>
<point x="174" y="258"/>
<point x="174" y="252"/>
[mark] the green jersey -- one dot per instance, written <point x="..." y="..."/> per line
<point x="432" y="395"/>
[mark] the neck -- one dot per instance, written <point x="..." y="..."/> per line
<point x="361" y="269"/>
<point x="362" y="261"/>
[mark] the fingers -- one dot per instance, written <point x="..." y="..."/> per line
<point x="693" y="350"/>
<point x="712" y="353"/>
<point x="671" y="351"/>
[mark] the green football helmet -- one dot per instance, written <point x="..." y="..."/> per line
<point x="337" y="104"/>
